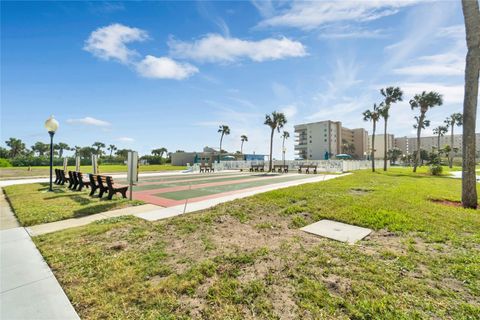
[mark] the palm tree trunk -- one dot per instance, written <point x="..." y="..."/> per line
<point x="419" y="132"/>
<point x="450" y="156"/>
<point x="283" y="150"/>
<point x="271" y="150"/>
<point x="385" y="146"/>
<point x="373" y="146"/>
<point x="241" y="148"/>
<point x="221" y="139"/>
<point x="471" y="14"/>
<point x="438" y="144"/>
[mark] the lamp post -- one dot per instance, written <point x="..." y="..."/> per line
<point x="51" y="125"/>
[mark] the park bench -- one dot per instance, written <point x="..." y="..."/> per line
<point x="280" y="168"/>
<point x="93" y="183"/>
<point x="206" y="167"/>
<point x="257" y="167"/>
<point x="307" y="168"/>
<point x="57" y="177"/>
<point x="62" y="176"/>
<point x="72" y="180"/>
<point x="114" y="188"/>
<point x="102" y="185"/>
<point x="82" y="182"/>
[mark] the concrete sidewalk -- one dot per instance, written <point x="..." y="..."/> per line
<point x="29" y="290"/>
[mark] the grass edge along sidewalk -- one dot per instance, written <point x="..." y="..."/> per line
<point x="32" y="204"/>
<point x="247" y="258"/>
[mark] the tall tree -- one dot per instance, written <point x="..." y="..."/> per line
<point x="372" y="115"/>
<point x="391" y="95"/>
<point x="99" y="146"/>
<point x="276" y="120"/>
<point x="224" y="131"/>
<point x="471" y="14"/>
<point x="285" y="136"/>
<point x="61" y="146"/>
<point x="40" y="148"/>
<point x="111" y="148"/>
<point x="123" y="153"/>
<point x="17" y="147"/>
<point x="455" y="119"/>
<point x="243" y="138"/>
<point x="86" y="152"/>
<point x="423" y="101"/>
<point x="439" y="132"/>
<point x="159" y="152"/>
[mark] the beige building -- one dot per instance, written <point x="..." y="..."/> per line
<point x="380" y="144"/>
<point x="409" y="145"/>
<point x="325" y="139"/>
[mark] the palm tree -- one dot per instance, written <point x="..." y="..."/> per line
<point x="61" y="146"/>
<point x="40" y="148"/>
<point x="285" y="135"/>
<point x="424" y="101"/>
<point x="391" y="95"/>
<point x="225" y="131"/>
<point x="440" y="132"/>
<point x="471" y="14"/>
<point x="111" y="148"/>
<point x="99" y="146"/>
<point x="372" y="115"/>
<point x="17" y="147"/>
<point x="243" y="138"/>
<point x="455" y="119"/>
<point x="276" y="120"/>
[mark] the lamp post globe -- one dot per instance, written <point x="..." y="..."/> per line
<point x="51" y="125"/>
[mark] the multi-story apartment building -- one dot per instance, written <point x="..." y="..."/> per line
<point x="324" y="139"/>
<point x="409" y="145"/>
<point x="380" y="144"/>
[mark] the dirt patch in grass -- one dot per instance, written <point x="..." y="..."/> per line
<point x="360" y="191"/>
<point x="449" y="203"/>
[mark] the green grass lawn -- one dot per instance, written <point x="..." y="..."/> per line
<point x="44" y="171"/>
<point x="32" y="204"/>
<point x="248" y="258"/>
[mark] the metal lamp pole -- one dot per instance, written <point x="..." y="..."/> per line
<point x="52" y="133"/>
<point x="51" y="125"/>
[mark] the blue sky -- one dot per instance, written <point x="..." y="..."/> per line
<point x="144" y="75"/>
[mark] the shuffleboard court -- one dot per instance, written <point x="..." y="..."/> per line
<point x="175" y="190"/>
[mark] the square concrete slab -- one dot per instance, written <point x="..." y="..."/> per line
<point x="337" y="231"/>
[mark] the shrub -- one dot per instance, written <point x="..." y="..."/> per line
<point x="5" y="163"/>
<point x="435" y="169"/>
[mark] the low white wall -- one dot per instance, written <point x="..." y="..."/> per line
<point x="323" y="165"/>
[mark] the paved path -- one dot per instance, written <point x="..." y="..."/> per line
<point x="77" y="222"/>
<point x="29" y="290"/>
<point x="7" y="218"/>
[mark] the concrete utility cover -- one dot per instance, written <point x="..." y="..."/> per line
<point x="337" y="231"/>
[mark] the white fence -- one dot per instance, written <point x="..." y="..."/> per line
<point x="293" y="165"/>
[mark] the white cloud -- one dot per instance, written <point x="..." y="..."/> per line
<point x="216" y="48"/>
<point x="110" y="42"/>
<point x="89" y="121"/>
<point x="125" y="139"/>
<point x="352" y="33"/>
<point x="452" y="94"/>
<point x="290" y="111"/>
<point x="164" y="68"/>
<point x="449" y="63"/>
<point x="312" y="14"/>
